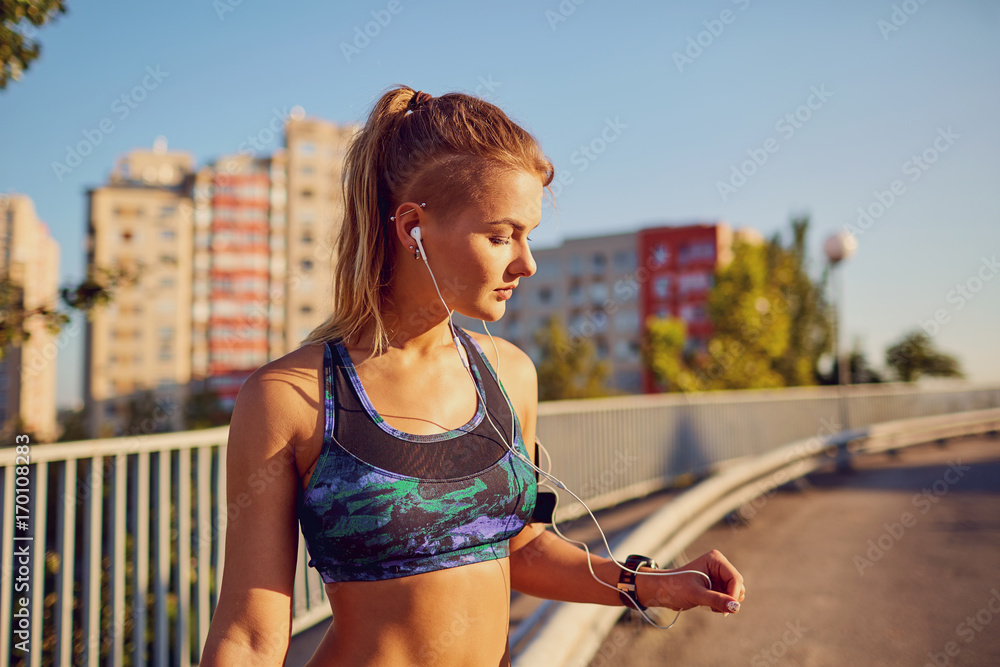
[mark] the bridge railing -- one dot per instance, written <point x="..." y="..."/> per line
<point x="112" y="550"/>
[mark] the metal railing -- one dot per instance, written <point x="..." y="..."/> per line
<point x="116" y="546"/>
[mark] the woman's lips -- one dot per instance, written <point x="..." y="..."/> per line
<point x="505" y="293"/>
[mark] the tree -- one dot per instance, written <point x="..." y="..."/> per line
<point x="19" y="23"/>
<point x="860" y="371"/>
<point x="569" y="367"/>
<point x="97" y="289"/>
<point x="750" y="331"/>
<point x="770" y="324"/>
<point x="810" y="332"/>
<point x="914" y="355"/>
<point x="74" y="426"/>
<point x="202" y="410"/>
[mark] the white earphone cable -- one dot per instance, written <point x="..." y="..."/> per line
<point x="513" y="450"/>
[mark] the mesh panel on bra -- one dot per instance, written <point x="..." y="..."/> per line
<point x="467" y="454"/>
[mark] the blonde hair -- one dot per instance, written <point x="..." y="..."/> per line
<point x="439" y="152"/>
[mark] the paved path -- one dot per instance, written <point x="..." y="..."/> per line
<point x="897" y="563"/>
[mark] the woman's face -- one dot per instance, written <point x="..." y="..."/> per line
<point x="481" y="253"/>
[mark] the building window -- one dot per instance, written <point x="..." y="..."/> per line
<point x="576" y="265"/>
<point x="661" y="287"/>
<point x="693" y="313"/>
<point x="576" y="294"/>
<point x="627" y="321"/>
<point x="598" y="292"/>
<point x="545" y="295"/>
<point x="600" y="262"/>
<point x="624" y="260"/>
<point x="306" y="310"/>
<point x="696" y="252"/>
<point x="695" y="282"/>
<point x="627" y="350"/>
<point x="306" y="265"/>
<point x="659" y="256"/>
<point x="307" y="148"/>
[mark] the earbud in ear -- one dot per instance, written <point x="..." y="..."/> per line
<point x="415" y="233"/>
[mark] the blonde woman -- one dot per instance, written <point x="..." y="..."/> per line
<point x="401" y="449"/>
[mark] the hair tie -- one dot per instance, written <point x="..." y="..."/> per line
<point x="418" y="100"/>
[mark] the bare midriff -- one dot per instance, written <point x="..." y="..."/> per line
<point x="447" y="618"/>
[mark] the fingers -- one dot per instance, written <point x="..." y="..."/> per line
<point x="732" y="580"/>
<point x="719" y="602"/>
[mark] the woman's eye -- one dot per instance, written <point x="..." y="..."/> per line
<point x="500" y="241"/>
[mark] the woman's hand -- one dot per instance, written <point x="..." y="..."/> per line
<point x="685" y="591"/>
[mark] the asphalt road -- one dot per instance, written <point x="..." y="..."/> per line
<point x="896" y="563"/>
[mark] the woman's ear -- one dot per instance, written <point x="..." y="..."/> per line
<point x="408" y="215"/>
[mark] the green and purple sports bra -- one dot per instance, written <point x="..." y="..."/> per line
<point x="383" y="504"/>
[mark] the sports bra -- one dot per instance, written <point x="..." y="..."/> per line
<point x="383" y="504"/>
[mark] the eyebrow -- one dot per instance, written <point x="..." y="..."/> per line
<point x="510" y="221"/>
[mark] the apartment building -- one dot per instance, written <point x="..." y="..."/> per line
<point x="237" y="259"/>
<point x="315" y="151"/>
<point x="239" y="238"/>
<point x="605" y="287"/>
<point x="29" y="257"/>
<point x="142" y="221"/>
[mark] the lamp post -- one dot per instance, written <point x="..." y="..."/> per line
<point x="839" y="247"/>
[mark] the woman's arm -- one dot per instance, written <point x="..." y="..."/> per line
<point x="252" y="621"/>
<point x="544" y="565"/>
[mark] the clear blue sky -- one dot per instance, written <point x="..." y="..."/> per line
<point x="681" y="129"/>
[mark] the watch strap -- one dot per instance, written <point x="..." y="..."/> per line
<point x="626" y="580"/>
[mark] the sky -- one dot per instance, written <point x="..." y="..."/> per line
<point x="874" y="116"/>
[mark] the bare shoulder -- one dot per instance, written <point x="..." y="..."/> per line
<point x="286" y="392"/>
<point x="514" y="362"/>
<point x="517" y="372"/>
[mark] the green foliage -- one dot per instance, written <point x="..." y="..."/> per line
<point x="74" y="427"/>
<point x="19" y="23"/>
<point x="202" y="410"/>
<point x="860" y="370"/>
<point x="914" y="355"/>
<point x="770" y="324"/>
<point x="569" y="367"/>
<point x="810" y="333"/>
<point x="97" y="289"/>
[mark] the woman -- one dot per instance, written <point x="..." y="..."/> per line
<point x="416" y="514"/>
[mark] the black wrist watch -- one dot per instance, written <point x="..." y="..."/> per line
<point x="626" y="580"/>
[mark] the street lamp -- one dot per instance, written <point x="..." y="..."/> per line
<point x="839" y="247"/>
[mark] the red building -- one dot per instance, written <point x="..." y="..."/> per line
<point x="678" y="264"/>
<point x="239" y="276"/>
